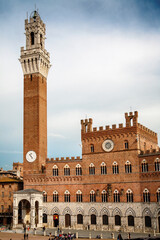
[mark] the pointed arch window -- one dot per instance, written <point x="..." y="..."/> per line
<point x="115" y="168"/>
<point x="146" y="195"/>
<point x="129" y="195"/>
<point x="158" y="195"/>
<point x="117" y="220"/>
<point x="66" y="170"/>
<point x="78" y="196"/>
<point x="116" y="196"/>
<point x="103" y="169"/>
<point x="157" y="165"/>
<point x="104" y="196"/>
<point x="92" y="196"/>
<point x="144" y="166"/>
<point x="67" y="196"/>
<point x="79" y="219"/>
<point x="55" y="170"/>
<point x="148" y="221"/>
<point x="78" y="170"/>
<point x="55" y="196"/>
<point x="128" y="167"/>
<point x="130" y="221"/>
<point x="93" y="219"/>
<point x="105" y="219"/>
<point x="91" y="169"/>
<point x="44" y="196"/>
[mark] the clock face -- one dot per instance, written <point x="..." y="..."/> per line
<point x="31" y="156"/>
<point x="108" y="145"/>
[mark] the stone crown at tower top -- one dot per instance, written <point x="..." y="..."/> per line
<point x="35" y="59"/>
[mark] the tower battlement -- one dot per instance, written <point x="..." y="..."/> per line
<point x="131" y="120"/>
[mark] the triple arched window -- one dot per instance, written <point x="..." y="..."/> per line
<point x="66" y="196"/>
<point x="146" y="195"/>
<point x="44" y="196"/>
<point x="128" y="167"/>
<point x="158" y="195"/>
<point x="78" y="170"/>
<point x="129" y="195"/>
<point x="104" y="196"/>
<point x="116" y="196"/>
<point x="78" y="196"/>
<point x="144" y="165"/>
<point x="103" y="169"/>
<point x="55" y="170"/>
<point x="66" y="170"/>
<point x="92" y="196"/>
<point x="55" y="196"/>
<point x="115" y="168"/>
<point x="91" y="169"/>
<point x="157" y="164"/>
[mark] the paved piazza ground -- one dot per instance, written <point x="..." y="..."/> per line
<point x="82" y="234"/>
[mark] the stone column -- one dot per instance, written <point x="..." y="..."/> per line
<point x="32" y="213"/>
<point x="15" y="216"/>
<point x="15" y="211"/>
<point x="40" y="217"/>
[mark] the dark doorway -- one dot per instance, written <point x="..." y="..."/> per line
<point x="67" y="220"/>
<point x="56" y="220"/>
<point x="93" y="219"/>
<point x="147" y="221"/>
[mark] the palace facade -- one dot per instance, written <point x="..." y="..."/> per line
<point x="116" y="183"/>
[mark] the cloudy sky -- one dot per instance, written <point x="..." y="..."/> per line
<point x="105" y="57"/>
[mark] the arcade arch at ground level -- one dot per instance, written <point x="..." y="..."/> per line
<point x="27" y="208"/>
<point x="128" y="217"/>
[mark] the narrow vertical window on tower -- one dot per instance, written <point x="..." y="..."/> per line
<point x="92" y="148"/>
<point x="41" y="39"/>
<point x="146" y="195"/>
<point x="32" y="38"/>
<point x="128" y="167"/>
<point x="103" y="169"/>
<point x="126" y="145"/>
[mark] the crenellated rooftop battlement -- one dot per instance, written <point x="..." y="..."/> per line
<point x="150" y="152"/>
<point x="131" y="121"/>
<point x="147" y="130"/>
<point x="63" y="159"/>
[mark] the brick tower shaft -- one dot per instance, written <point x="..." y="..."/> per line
<point x="35" y="62"/>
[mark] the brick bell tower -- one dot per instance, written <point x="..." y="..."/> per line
<point x="35" y="62"/>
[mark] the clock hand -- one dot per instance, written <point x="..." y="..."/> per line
<point x="31" y="155"/>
